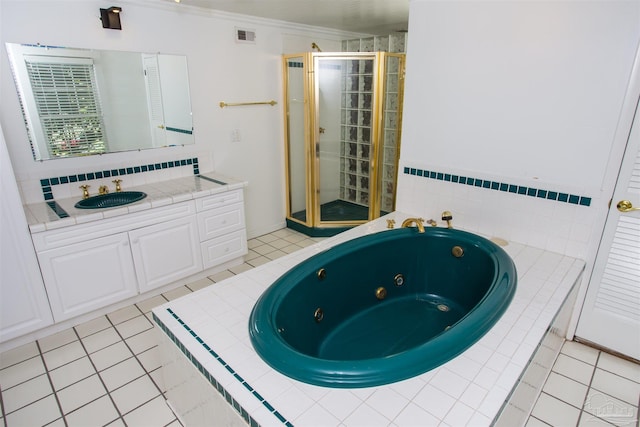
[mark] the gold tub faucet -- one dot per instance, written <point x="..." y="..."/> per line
<point x="417" y="221"/>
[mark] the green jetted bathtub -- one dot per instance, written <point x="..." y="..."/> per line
<point x="382" y="308"/>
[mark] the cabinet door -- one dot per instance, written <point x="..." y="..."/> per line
<point x="166" y="252"/>
<point x="86" y="276"/>
<point x="23" y="300"/>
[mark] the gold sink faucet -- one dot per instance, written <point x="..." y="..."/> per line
<point x="417" y="221"/>
<point x="85" y="191"/>
<point x="103" y="189"/>
<point x="117" y="183"/>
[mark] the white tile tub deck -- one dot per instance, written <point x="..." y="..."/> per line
<point x="211" y="326"/>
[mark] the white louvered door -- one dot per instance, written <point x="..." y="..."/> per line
<point x="611" y="313"/>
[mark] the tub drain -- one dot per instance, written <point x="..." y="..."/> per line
<point x="442" y="307"/>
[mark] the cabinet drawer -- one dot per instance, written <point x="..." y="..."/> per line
<point x="218" y="200"/>
<point x="224" y="248"/>
<point x="219" y="221"/>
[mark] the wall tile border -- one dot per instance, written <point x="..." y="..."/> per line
<point x="230" y="400"/>
<point x="501" y="186"/>
<point x="47" y="183"/>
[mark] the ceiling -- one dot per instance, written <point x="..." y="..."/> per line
<point x="376" y="17"/>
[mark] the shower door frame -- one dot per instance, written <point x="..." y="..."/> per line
<point x="313" y="220"/>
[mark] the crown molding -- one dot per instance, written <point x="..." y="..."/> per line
<point x="237" y="18"/>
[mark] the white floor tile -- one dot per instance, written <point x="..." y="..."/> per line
<point x="21" y="372"/>
<point x="176" y="293"/>
<point x="110" y="356"/>
<point x="610" y="409"/>
<point x="39" y="413"/>
<point x="63" y="355"/>
<point x="241" y="268"/>
<point x="18" y="354"/>
<point x="219" y="277"/>
<point x="149" y="304"/>
<point x="124" y="314"/>
<point x="81" y="393"/>
<point x="200" y="284"/>
<point x="122" y="373"/>
<point x="134" y="394"/>
<point x="555" y="412"/>
<point x="267" y="238"/>
<point x="99" y="412"/>
<point x="100" y="340"/>
<point x="57" y="340"/>
<point x="150" y="359"/>
<point x="71" y="373"/>
<point x="134" y="326"/>
<point x="25" y="393"/>
<point x="154" y="413"/>
<point x="566" y="389"/>
<point x="258" y="261"/>
<point x="262" y="250"/>
<point x="618" y="366"/>
<point x="574" y="369"/>
<point x="616" y="386"/>
<point x="143" y="341"/>
<point x="580" y="352"/>
<point x="93" y="326"/>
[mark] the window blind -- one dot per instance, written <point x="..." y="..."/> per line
<point x="68" y="104"/>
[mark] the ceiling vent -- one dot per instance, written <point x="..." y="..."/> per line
<point x="245" y="36"/>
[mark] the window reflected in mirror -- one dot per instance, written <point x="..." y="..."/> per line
<point x="81" y="102"/>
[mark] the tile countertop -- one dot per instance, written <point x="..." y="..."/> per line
<point x="468" y="390"/>
<point x="41" y="217"/>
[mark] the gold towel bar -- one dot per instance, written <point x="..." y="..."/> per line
<point x="227" y="104"/>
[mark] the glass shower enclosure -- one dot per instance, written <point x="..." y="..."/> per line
<point x="343" y="114"/>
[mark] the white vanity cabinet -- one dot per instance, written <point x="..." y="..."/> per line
<point x="88" y="275"/>
<point x="221" y="226"/>
<point x="92" y="265"/>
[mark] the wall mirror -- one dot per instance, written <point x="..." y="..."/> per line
<point x="81" y="102"/>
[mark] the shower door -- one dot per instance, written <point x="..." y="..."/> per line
<point x="345" y="108"/>
<point x="342" y="135"/>
<point x="297" y="151"/>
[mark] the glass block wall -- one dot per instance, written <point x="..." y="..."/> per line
<point x="357" y="125"/>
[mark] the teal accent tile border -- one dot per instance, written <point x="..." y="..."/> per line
<point x="501" y="186"/>
<point x="57" y="209"/>
<point x="47" y="183"/>
<point x="230" y="400"/>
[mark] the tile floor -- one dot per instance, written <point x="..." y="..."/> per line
<point x="105" y="372"/>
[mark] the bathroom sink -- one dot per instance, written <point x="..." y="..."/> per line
<point x="111" y="200"/>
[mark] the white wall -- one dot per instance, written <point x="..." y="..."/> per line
<point x="219" y="70"/>
<point x="520" y="92"/>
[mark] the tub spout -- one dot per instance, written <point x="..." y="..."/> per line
<point x="417" y="221"/>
